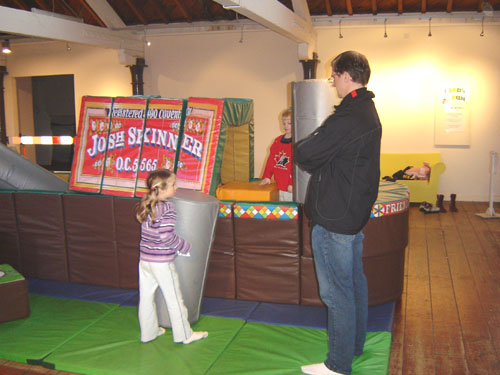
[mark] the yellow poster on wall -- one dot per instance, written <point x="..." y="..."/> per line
<point x="452" y="117"/>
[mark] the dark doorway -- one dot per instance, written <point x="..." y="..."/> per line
<point x="54" y="115"/>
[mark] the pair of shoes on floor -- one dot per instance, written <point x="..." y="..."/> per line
<point x="428" y="208"/>
<point x="318" y="369"/>
<point x="195" y="337"/>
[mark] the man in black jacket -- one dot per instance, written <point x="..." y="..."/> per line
<point x="343" y="157"/>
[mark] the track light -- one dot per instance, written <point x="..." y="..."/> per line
<point x="430" y="32"/>
<point x="6" y="47"/>
<point x="340" y="29"/>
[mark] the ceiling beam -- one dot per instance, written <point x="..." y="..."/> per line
<point x="183" y="11"/>
<point x="160" y="11"/>
<point x="277" y="17"/>
<point x="400" y="6"/>
<point x="21" y="4"/>
<point x="449" y="6"/>
<point x="374" y="7"/>
<point x="92" y="13"/>
<point x="424" y="6"/>
<point x="42" y="5"/>
<point x="66" y="9"/>
<point x="206" y="10"/>
<point x="106" y="13"/>
<point x="136" y="12"/>
<point x="348" y="6"/>
<point x="20" y="22"/>
<point x="328" y="7"/>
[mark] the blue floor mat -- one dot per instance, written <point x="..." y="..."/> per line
<point x="228" y="308"/>
<point x="380" y="318"/>
<point x="94" y="293"/>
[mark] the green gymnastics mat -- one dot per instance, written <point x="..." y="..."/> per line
<point x="112" y="347"/>
<point x="264" y="349"/>
<point x="51" y="323"/>
<point x="103" y="339"/>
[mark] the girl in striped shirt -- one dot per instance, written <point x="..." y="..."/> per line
<point x="158" y="248"/>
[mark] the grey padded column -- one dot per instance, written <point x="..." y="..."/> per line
<point x="313" y="102"/>
<point x="196" y="217"/>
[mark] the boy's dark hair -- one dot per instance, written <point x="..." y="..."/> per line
<point x="354" y="63"/>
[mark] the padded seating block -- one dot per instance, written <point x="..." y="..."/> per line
<point x="91" y="241"/>
<point x="9" y="239"/>
<point x="267" y="277"/>
<point x="41" y="235"/>
<point x="306" y="234"/>
<point x="267" y="246"/>
<point x="13" y="295"/>
<point x="384" y="256"/>
<point x="309" y="290"/>
<point x="261" y="236"/>
<point x="221" y="278"/>
<point x="247" y="191"/>
<point x="128" y="236"/>
<point x="384" y="246"/>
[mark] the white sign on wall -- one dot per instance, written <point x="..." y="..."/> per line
<point x="452" y="117"/>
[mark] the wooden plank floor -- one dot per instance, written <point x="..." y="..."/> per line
<point x="448" y="318"/>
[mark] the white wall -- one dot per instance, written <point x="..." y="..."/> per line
<point x="261" y="68"/>
<point x="407" y="68"/>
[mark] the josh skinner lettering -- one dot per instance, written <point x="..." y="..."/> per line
<point x="154" y="137"/>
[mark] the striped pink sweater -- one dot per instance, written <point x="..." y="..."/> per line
<point x="159" y="242"/>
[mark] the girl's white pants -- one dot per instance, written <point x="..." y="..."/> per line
<point x="163" y="275"/>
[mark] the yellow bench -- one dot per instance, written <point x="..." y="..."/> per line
<point x="420" y="190"/>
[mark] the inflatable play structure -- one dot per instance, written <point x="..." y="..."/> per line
<point x="91" y="236"/>
<point x="18" y="173"/>
<point x="252" y="258"/>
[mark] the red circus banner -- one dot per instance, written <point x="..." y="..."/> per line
<point x="159" y="149"/>
<point x="123" y="162"/>
<point x="200" y="147"/>
<point x="90" y="144"/>
<point x="121" y="140"/>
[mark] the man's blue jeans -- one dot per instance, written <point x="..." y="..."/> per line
<point x="343" y="289"/>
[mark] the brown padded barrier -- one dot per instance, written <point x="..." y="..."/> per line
<point x="10" y="252"/>
<point x="41" y="236"/>
<point x="309" y="290"/>
<point x="384" y="246"/>
<point x="91" y="240"/>
<point x="94" y="239"/>
<point x="221" y="278"/>
<point x="14" y="298"/>
<point x="386" y="238"/>
<point x="128" y="234"/>
<point x="267" y="260"/>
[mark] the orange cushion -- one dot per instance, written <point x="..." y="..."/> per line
<point x="247" y="191"/>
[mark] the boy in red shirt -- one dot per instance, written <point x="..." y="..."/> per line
<point x="279" y="163"/>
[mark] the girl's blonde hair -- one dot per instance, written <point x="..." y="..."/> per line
<point x="158" y="179"/>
